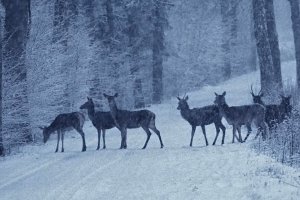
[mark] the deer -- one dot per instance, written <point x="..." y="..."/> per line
<point x="242" y="115"/>
<point x="275" y="114"/>
<point x="201" y="117"/>
<point x="285" y="107"/>
<point x="101" y="120"/>
<point x="125" y="119"/>
<point x="65" y="122"/>
<point x="272" y="116"/>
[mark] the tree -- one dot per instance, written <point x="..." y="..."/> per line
<point x="17" y="21"/>
<point x="274" y="44"/>
<point x="225" y="7"/>
<point x="253" y="55"/>
<point x="133" y="15"/>
<point x="263" y="48"/>
<point x="295" y="16"/>
<point x="1" y="133"/>
<point x="160" y="22"/>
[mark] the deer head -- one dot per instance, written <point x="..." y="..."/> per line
<point x="88" y="104"/>
<point x="286" y="101"/>
<point x="182" y="104"/>
<point x="46" y="133"/>
<point x="257" y="98"/>
<point x="220" y="99"/>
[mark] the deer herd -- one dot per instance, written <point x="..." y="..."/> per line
<point x="264" y="117"/>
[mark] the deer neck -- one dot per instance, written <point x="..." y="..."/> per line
<point x="91" y="112"/>
<point x="114" y="111"/>
<point x="224" y="110"/>
<point x="185" y="113"/>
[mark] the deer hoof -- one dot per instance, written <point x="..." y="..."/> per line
<point x="98" y="148"/>
<point x="62" y="150"/>
<point x="56" y="150"/>
<point x="104" y="147"/>
<point x="84" y="149"/>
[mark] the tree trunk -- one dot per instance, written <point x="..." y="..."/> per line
<point x="225" y="7"/>
<point x="274" y="45"/>
<point x="157" y="52"/>
<point x="1" y="133"/>
<point x="110" y="19"/>
<point x="295" y="16"/>
<point x="133" y="35"/>
<point x="253" y="53"/>
<point x="16" y="34"/>
<point x="263" y="48"/>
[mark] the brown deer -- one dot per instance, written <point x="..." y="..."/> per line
<point x="201" y="117"/>
<point x="272" y="116"/>
<point x="242" y="115"/>
<point x="65" y="122"/>
<point x="100" y="120"/>
<point x="125" y="119"/>
<point x="275" y="114"/>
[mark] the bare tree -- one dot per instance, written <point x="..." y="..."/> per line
<point x="159" y="15"/>
<point x="1" y="133"/>
<point x="295" y="16"/>
<point x="133" y="34"/>
<point x="17" y="21"/>
<point x="274" y="44"/>
<point x="263" y="47"/>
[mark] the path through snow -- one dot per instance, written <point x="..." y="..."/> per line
<point x="231" y="171"/>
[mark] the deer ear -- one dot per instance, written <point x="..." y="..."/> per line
<point x="178" y="98"/>
<point x="116" y="95"/>
<point x="41" y="127"/>
<point x="216" y="94"/>
<point x="224" y="93"/>
<point x="105" y="95"/>
<point x="186" y="98"/>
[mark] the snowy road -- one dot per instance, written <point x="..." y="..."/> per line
<point x="231" y="171"/>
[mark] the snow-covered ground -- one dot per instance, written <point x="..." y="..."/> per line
<point x="231" y="171"/>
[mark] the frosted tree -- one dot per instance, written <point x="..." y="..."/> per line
<point x="134" y="46"/>
<point x="1" y="133"/>
<point x="267" y="73"/>
<point x="160" y="23"/>
<point x="274" y="44"/>
<point x="16" y="109"/>
<point x="295" y="16"/>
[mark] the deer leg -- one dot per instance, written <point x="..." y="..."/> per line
<point x="122" y="138"/>
<point x="249" y="129"/>
<point x="146" y="129"/>
<point x="217" y="133"/>
<point x="158" y="134"/>
<point x="233" y="133"/>
<point x="99" y="138"/>
<point x="192" y="135"/>
<point x="103" y="137"/>
<point x="223" y="130"/>
<point x="58" y="138"/>
<point x="80" y="131"/>
<point x="204" y="133"/>
<point x="240" y="139"/>
<point x="264" y="128"/>
<point x="62" y="141"/>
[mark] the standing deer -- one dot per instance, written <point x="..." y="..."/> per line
<point x="100" y="120"/>
<point x="285" y="107"/>
<point x="201" y="117"/>
<point x="65" y="122"/>
<point x="272" y="116"/>
<point x="242" y="115"/>
<point x="125" y="119"/>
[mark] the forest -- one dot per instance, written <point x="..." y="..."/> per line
<point x="90" y="56"/>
